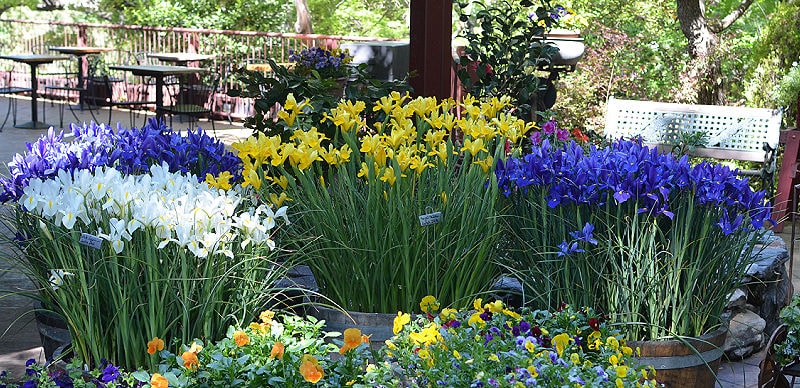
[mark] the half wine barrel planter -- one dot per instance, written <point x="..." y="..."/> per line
<point x="692" y="363"/>
<point x="53" y="331"/>
<point x="377" y="325"/>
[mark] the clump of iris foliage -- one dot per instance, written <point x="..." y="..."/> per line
<point x="126" y="241"/>
<point x="644" y="236"/>
<point x="358" y="196"/>
<point x="485" y="345"/>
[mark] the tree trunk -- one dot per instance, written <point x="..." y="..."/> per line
<point x="703" y="83"/>
<point x="303" y="23"/>
<point x="703" y="80"/>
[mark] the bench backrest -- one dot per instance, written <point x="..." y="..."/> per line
<point x="732" y="132"/>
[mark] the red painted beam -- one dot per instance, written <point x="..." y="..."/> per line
<point x="430" y="56"/>
<point x="786" y="177"/>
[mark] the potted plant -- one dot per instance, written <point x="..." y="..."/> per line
<point x="323" y="63"/>
<point x="647" y="238"/>
<point x="123" y="273"/>
<point x="391" y="211"/>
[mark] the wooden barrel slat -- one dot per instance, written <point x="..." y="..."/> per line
<point x="674" y="352"/>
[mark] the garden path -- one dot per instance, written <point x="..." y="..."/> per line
<point x="19" y="338"/>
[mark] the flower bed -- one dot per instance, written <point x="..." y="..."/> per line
<point x="488" y="345"/>
<point x="143" y="236"/>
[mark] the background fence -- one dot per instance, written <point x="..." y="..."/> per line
<point x="231" y="49"/>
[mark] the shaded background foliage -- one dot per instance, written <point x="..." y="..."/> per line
<point x="635" y="49"/>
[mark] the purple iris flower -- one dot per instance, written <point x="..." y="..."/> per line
<point x="585" y="234"/>
<point x="566" y="249"/>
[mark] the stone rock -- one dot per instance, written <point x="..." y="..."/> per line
<point x="767" y="262"/>
<point x="767" y="282"/>
<point x="745" y="335"/>
<point x="737" y="299"/>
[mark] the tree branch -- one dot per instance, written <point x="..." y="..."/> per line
<point x="732" y="17"/>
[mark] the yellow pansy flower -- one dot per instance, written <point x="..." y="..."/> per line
<point x="400" y="321"/>
<point x="475" y="320"/>
<point x="512" y="314"/>
<point x="429" y="304"/>
<point x="448" y="314"/>
<point x="561" y="341"/>
<point x="612" y="343"/>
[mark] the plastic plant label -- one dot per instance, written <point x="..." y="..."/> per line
<point x="430" y="219"/>
<point x="91" y="240"/>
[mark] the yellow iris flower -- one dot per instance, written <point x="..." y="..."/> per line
<point x="485" y="163"/>
<point x="389" y="175"/>
<point x="474" y="146"/>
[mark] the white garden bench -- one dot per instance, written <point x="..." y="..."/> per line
<point x="732" y="132"/>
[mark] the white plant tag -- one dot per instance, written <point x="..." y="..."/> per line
<point x="91" y="240"/>
<point x="430" y="219"/>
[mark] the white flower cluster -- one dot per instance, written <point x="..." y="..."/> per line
<point x="175" y="206"/>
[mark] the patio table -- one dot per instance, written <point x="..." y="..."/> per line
<point x="180" y="59"/>
<point x="80" y="52"/>
<point x="34" y="60"/>
<point x="159" y="72"/>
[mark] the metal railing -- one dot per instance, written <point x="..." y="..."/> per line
<point x="231" y="48"/>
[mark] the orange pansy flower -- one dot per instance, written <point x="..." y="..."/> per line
<point x="155" y="345"/>
<point x="241" y="338"/>
<point x="158" y="381"/>
<point x="310" y="369"/>
<point x="277" y="350"/>
<point x="190" y="360"/>
<point x="352" y="338"/>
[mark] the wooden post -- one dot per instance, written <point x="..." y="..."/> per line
<point x="786" y="177"/>
<point x="787" y="173"/>
<point x="430" y="57"/>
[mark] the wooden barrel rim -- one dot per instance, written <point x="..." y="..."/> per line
<point x="674" y="354"/>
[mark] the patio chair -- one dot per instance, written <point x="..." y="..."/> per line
<point x="7" y="89"/>
<point x="65" y="87"/>
<point x="117" y="94"/>
<point x="194" y="100"/>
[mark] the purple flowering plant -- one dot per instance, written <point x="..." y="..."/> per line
<point x="321" y="62"/>
<point x="69" y="375"/>
<point x="586" y="223"/>
<point x="491" y="345"/>
<point x="131" y="151"/>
